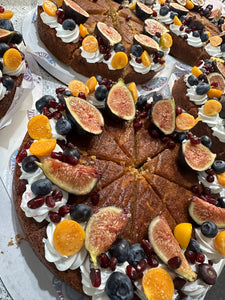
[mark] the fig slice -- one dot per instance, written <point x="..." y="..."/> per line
<point x="146" y="42"/>
<point x="108" y="34"/>
<point x="164" y="115"/>
<point x="217" y="78"/>
<point x="216" y="14"/>
<point x="85" y="116"/>
<point x="120" y="102"/>
<point x="198" y="3"/>
<point x="197" y="157"/>
<point x="181" y="10"/>
<point x="143" y="11"/>
<point x="219" y="65"/>
<point x="152" y="26"/>
<point x="181" y="2"/>
<point x="77" y="180"/>
<point x="166" y="246"/>
<point x="103" y="228"/>
<point x="5" y="35"/>
<point x="74" y="11"/>
<point x="202" y="211"/>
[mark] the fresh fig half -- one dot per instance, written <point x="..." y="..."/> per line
<point x="103" y="228"/>
<point x="219" y="65"/>
<point x="166" y="246"/>
<point x="120" y="102"/>
<point x="181" y="2"/>
<point x="74" y="11"/>
<point x="216" y="14"/>
<point x="197" y="157"/>
<point x="143" y="12"/>
<point x="181" y="10"/>
<point x="202" y="211"/>
<point x="163" y="115"/>
<point x="85" y="116"/>
<point x="108" y="34"/>
<point x="77" y="180"/>
<point x="218" y="79"/>
<point x="146" y="42"/>
<point x="152" y="26"/>
<point x="5" y="35"/>
<point x="198" y="3"/>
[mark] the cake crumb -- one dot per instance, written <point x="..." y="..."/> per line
<point x="93" y="157"/>
<point x="2" y="252"/>
<point x="11" y="243"/>
<point x="18" y="239"/>
<point x="82" y="161"/>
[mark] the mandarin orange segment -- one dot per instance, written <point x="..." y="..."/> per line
<point x="145" y="58"/>
<point x="119" y="60"/>
<point x="68" y="237"/>
<point x="43" y="147"/>
<point x="212" y="107"/>
<point x="158" y="284"/>
<point x="83" y="30"/>
<point x="91" y="84"/>
<point x="189" y="4"/>
<point x="166" y="40"/>
<point x="182" y="233"/>
<point x="162" y="1"/>
<point x="90" y="44"/>
<point x="12" y="59"/>
<point x="50" y="8"/>
<point x="219" y="242"/>
<point x="58" y="2"/>
<point x="76" y="86"/>
<point x="221" y="178"/>
<point x="132" y="6"/>
<point x="39" y="128"/>
<point x="133" y="89"/>
<point x="214" y="93"/>
<point x="185" y="121"/>
<point x="177" y="21"/>
<point x="215" y="40"/>
<point x="196" y="71"/>
<point x="7" y="14"/>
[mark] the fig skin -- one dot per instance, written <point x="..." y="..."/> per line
<point x="107" y="39"/>
<point x="74" y="11"/>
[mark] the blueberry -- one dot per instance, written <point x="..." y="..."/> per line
<point x="29" y="165"/>
<point x="209" y="6"/>
<point x="196" y="33"/>
<point x="41" y="187"/>
<point x="119" y="48"/>
<point x="119" y="249"/>
<point x="194" y="246"/>
<point x="209" y="229"/>
<point x="80" y="213"/>
<point x="137" y="50"/>
<point x="101" y="92"/>
<point x="62" y="96"/>
<point x="202" y="88"/>
<point x="222" y="47"/>
<point x="173" y="14"/>
<point x="3" y="48"/>
<point x="219" y="166"/>
<point x="63" y="126"/>
<point x="119" y="287"/>
<point x="141" y="102"/>
<point x="204" y="37"/>
<point x="221" y="201"/>
<point x="205" y="12"/>
<point x="43" y="102"/>
<point x="69" y="24"/>
<point x="164" y="10"/>
<point x="206" y="141"/>
<point x="157" y="96"/>
<point x="8" y="82"/>
<point x="192" y="80"/>
<point x="72" y="152"/>
<point x="155" y="38"/>
<point x="222" y="112"/>
<point x="181" y="136"/>
<point x="6" y="24"/>
<point x="135" y="254"/>
<point x="220" y="21"/>
<point x="17" y="38"/>
<point x="207" y="273"/>
<point x="160" y="54"/>
<point x="67" y="93"/>
<point x="98" y="78"/>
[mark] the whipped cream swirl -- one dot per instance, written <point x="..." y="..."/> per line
<point x="214" y="186"/>
<point x="219" y="132"/>
<point x="62" y="262"/>
<point x="109" y="61"/>
<point x="67" y="36"/>
<point x="213" y="51"/>
<point x="48" y="20"/>
<point x="210" y="120"/>
<point x="197" y="99"/>
<point x="194" y="41"/>
<point x="20" y="70"/>
<point x="163" y="19"/>
<point x="139" y="68"/>
<point x="176" y="29"/>
<point x="92" y="57"/>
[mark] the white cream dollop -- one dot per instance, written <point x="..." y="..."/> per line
<point x="197" y="99"/>
<point x="214" y="51"/>
<point x="49" y="20"/>
<point x="210" y="120"/>
<point x="67" y="36"/>
<point x="176" y="30"/>
<point x="20" y="70"/>
<point x="194" y="41"/>
<point x="92" y="57"/>
<point x="162" y="19"/>
<point x="3" y="91"/>
<point x="214" y="186"/>
<point x="62" y="262"/>
<point x="219" y="132"/>
<point x="139" y="68"/>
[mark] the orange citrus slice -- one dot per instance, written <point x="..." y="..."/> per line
<point x="145" y="58"/>
<point x="133" y="89"/>
<point x="91" y="84"/>
<point x="76" y="87"/>
<point x="182" y="233"/>
<point x="12" y="59"/>
<point x="185" y="121"/>
<point x="221" y="178"/>
<point x="189" y="4"/>
<point x="50" y="8"/>
<point x="166" y="40"/>
<point x="219" y="242"/>
<point x="43" y="147"/>
<point x="7" y="14"/>
<point x="90" y="44"/>
<point x="83" y="30"/>
<point x="177" y="21"/>
<point x="196" y="71"/>
<point x="39" y="127"/>
<point x="119" y="60"/>
<point x="214" y="93"/>
<point x="68" y="237"/>
<point x="212" y="107"/>
<point x="158" y="284"/>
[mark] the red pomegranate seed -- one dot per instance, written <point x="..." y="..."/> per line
<point x="2" y="9"/>
<point x="210" y="178"/>
<point x="210" y="200"/>
<point x="210" y="172"/>
<point x="154" y="13"/>
<point x="101" y="49"/>
<point x="174" y="262"/>
<point x="178" y="110"/>
<point x="56" y="155"/>
<point x="200" y="258"/>
<point x="104" y="260"/>
<point x="143" y="114"/>
<point x="131" y="273"/>
<point x="181" y="28"/>
<point x="195" y="189"/>
<point x="137" y="125"/>
<point x="52" y="103"/>
<point x="36" y="202"/>
<point x="50" y="202"/>
<point x="207" y="191"/>
<point x="165" y="139"/>
<point x="64" y="210"/>
<point x="178" y="283"/>
<point x="154" y="133"/>
<point x="214" y="84"/>
<point x="57" y="115"/>
<point x="60" y="90"/>
<point x="95" y="276"/>
<point x="21" y="186"/>
<point x="59" y="13"/>
<point x="190" y="256"/>
<point x="148" y="106"/>
<point x="82" y="95"/>
<point x="57" y="195"/>
<point x="21" y="155"/>
<point x="142" y="265"/>
<point x="138" y="60"/>
<point x="60" y="20"/>
<point x="120" y="7"/>
<point x="54" y="216"/>
<point x="171" y="145"/>
<point x="47" y="113"/>
<point x="147" y="247"/>
<point x="60" y="107"/>
<point x="27" y="145"/>
<point x="72" y="160"/>
<point x="128" y="18"/>
<point x="113" y="263"/>
<point x="94" y="198"/>
<point x="153" y="261"/>
<point x="158" y="34"/>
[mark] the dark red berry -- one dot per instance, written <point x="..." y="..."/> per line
<point x="200" y="258"/>
<point x="36" y="202"/>
<point x="2" y="9"/>
<point x="94" y="198"/>
<point x="54" y="216"/>
<point x="50" y="202"/>
<point x="104" y="260"/>
<point x="174" y="262"/>
<point x="138" y="60"/>
<point x="64" y="210"/>
<point x="154" y="13"/>
<point x="179" y="110"/>
<point x="21" y="186"/>
<point x="57" y="155"/>
<point x="153" y="261"/>
<point x="178" y="283"/>
<point x="147" y="247"/>
<point x="21" y="155"/>
<point x="52" y="103"/>
<point x="210" y="172"/>
<point x="142" y="265"/>
<point x="57" y="115"/>
<point x="57" y="195"/>
<point x="47" y="113"/>
<point x="158" y="34"/>
<point x="190" y="256"/>
<point x="95" y="276"/>
<point x="82" y="95"/>
<point x="128" y="18"/>
<point x="171" y="145"/>
<point x="210" y="178"/>
<point x="60" y="90"/>
<point x="131" y="273"/>
<point x="113" y="263"/>
<point x="195" y="189"/>
<point x="72" y="160"/>
<point x="60" y="107"/>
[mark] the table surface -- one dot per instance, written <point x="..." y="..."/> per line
<point x="49" y="83"/>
